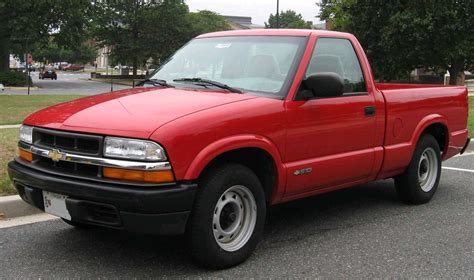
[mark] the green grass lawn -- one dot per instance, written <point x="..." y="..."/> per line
<point x="8" y="143"/>
<point x="15" y="108"/>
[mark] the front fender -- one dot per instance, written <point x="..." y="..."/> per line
<point x="227" y="144"/>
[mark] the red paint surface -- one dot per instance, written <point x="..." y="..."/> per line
<point x="332" y="136"/>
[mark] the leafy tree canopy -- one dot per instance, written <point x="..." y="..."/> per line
<point x="138" y="30"/>
<point x="206" y="21"/>
<point x="288" y="19"/>
<point x="400" y="36"/>
<point x="27" y="25"/>
<point x="82" y="54"/>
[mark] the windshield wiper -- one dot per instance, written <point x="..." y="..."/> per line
<point x="155" y="82"/>
<point x="209" y="82"/>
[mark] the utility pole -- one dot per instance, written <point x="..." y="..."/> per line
<point x="112" y="79"/>
<point x="278" y="14"/>
<point x="27" y="68"/>
<point x="29" y="77"/>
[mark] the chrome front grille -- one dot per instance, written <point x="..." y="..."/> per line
<point x="77" y="155"/>
<point x="83" y="144"/>
<point x="67" y="168"/>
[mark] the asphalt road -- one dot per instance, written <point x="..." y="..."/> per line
<point x="68" y="83"/>
<point x="364" y="232"/>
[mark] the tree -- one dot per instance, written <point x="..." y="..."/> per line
<point x="400" y="36"/>
<point x="49" y="53"/>
<point x="80" y="55"/>
<point x="139" y="29"/>
<point x="27" y="25"/>
<point x="206" y="21"/>
<point x="288" y="19"/>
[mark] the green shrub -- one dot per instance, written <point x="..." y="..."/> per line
<point x="13" y="78"/>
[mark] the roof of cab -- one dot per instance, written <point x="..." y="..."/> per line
<point x="272" y="32"/>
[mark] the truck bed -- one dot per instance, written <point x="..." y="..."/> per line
<point x="408" y="107"/>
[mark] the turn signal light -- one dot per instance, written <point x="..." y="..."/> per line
<point x="24" y="155"/>
<point x="162" y="176"/>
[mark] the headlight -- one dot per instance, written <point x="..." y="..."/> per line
<point x="133" y="149"/>
<point x="26" y="134"/>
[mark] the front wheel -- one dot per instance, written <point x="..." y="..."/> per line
<point x="420" y="180"/>
<point x="227" y="221"/>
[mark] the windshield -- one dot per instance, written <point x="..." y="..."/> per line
<point x="256" y="64"/>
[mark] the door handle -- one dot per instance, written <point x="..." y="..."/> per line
<point x="369" y="111"/>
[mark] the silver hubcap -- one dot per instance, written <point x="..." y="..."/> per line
<point x="428" y="169"/>
<point x="235" y="216"/>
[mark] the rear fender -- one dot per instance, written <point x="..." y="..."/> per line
<point x="424" y="124"/>
<point x="398" y="156"/>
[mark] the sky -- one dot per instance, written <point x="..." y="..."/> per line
<point x="259" y="10"/>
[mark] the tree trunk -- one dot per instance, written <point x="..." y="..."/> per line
<point x="4" y="60"/>
<point x="456" y="73"/>
<point x="135" y="65"/>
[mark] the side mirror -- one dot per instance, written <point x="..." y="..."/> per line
<point x="325" y="84"/>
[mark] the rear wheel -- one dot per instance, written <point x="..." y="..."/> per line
<point x="227" y="221"/>
<point x="420" y="180"/>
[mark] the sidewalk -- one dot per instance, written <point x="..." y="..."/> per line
<point x="22" y="88"/>
<point x="115" y="81"/>
<point x="10" y="126"/>
<point x="13" y="206"/>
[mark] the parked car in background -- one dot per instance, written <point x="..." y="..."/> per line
<point x="73" y="67"/>
<point x="21" y="67"/>
<point x="59" y="65"/>
<point x="48" y="73"/>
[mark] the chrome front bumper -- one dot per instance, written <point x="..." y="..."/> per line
<point x="99" y="161"/>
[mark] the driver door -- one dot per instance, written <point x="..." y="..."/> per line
<point x="330" y="141"/>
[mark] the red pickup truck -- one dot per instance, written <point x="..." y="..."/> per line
<point x="232" y="123"/>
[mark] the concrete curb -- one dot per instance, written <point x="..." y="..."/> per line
<point x="21" y="88"/>
<point x="13" y="206"/>
<point x="107" y="81"/>
<point x="10" y="126"/>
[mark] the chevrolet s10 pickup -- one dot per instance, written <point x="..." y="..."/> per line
<point x="233" y="123"/>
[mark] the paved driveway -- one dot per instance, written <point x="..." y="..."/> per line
<point x="67" y="83"/>
<point x="364" y="232"/>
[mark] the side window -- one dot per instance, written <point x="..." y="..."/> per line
<point x="338" y="56"/>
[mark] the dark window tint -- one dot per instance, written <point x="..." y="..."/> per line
<point x="338" y="56"/>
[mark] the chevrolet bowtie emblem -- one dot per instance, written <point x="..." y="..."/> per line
<point x="56" y="155"/>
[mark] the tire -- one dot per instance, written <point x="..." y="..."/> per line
<point x="420" y="180"/>
<point x="78" y="225"/>
<point x="227" y="194"/>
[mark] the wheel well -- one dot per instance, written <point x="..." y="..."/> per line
<point x="440" y="133"/>
<point x="258" y="160"/>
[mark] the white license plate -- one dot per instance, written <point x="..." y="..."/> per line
<point x="55" y="204"/>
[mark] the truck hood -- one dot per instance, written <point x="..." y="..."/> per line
<point x="130" y="113"/>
